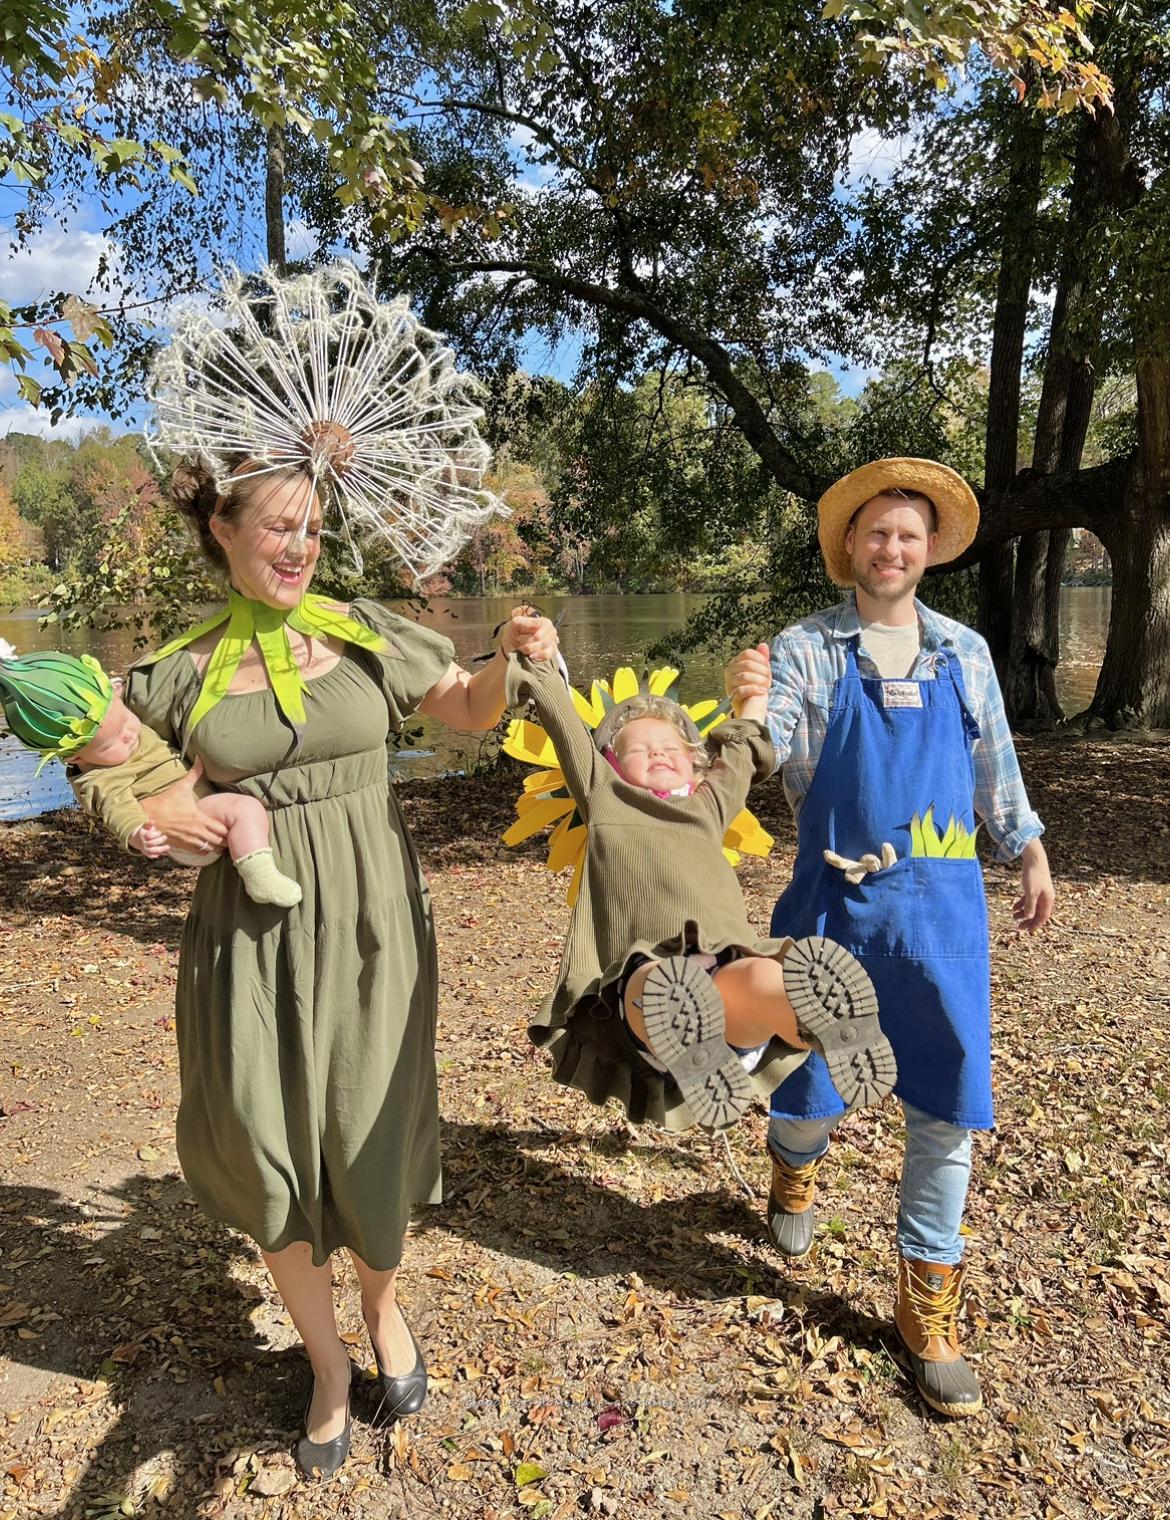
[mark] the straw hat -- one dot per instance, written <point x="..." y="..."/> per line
<point x="954" y="501"/>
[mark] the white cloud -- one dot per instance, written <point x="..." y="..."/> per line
<point x="54" y="261"/>
<point x="299" y="241"/>
<point x="19" y="417"/>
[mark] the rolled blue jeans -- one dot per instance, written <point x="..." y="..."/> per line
<point x="936" y="1168"/>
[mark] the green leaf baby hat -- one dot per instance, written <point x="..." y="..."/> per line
<point x="53" y="702"/>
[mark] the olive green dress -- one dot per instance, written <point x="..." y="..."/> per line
<point x="308" y="1107"/>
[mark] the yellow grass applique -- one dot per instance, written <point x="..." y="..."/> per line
<point x="954" y="843"/>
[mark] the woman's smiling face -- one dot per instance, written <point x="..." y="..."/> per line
<point x="272" y="544"/>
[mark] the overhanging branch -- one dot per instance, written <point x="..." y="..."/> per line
<point x="750" y="416"/>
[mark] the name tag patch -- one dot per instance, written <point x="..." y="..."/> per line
<point x="901" y="694"/>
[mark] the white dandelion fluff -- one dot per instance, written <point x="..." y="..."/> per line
<point x="314" y="371"/>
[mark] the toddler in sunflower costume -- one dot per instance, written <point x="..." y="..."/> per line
<point x="66" y="708"/>
<point x="667" y="999"/>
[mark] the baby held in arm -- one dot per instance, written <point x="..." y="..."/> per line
<point x="67" y="708"/>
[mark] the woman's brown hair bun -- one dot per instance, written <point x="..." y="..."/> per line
<point x="194" y="494"/>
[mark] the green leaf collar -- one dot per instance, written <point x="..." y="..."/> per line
<point x="314" y="616"/>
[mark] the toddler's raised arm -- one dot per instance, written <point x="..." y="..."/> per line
<point x="541" y="682"/>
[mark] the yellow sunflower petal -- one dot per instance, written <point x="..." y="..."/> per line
<point x="596" y="700"/>
<point x="745" y="832"/>
<point x="528" y="742"/>
<point x="588" y="711"/>
<point x="567" y="842"/>
<point x="625" y="684"/>
<point x="662" y="680"/>
<point x="730" y="856"/>
<point x="699" y="710"/>
<point x="544" y="781"/>
<point x="538" y="814"/>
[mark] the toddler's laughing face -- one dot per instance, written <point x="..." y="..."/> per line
<point x="655" y="755"/>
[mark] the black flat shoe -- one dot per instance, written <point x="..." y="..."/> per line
<point x="321" y="1459"/>
<point x="403" y="1395"/>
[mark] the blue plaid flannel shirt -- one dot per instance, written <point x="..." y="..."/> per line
<point x="808" y="659"/>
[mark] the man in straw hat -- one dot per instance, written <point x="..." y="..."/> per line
<point x="890" y="730"/>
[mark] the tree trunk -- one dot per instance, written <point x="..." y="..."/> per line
<point x="1133" y="689"/>
<point x="274" y="197"/>
<point x="1017" y="261"/>
<point x="1134" y="685"/>
<point x="1066" y="404"/>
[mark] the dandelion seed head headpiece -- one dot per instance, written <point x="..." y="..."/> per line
<point x="313" y="372"/>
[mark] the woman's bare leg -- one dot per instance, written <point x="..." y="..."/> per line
<point x="307" y="1292"/>
<point x="392" y="1343"/>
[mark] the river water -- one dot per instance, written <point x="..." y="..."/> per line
<point x="598" y="633"/>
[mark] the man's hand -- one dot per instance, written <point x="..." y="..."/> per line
<point x="149" y="841"/>
<point x="1033" y="908"/>
<point x="527" y="633"/>
<point x="173" y="811"/>
<point x="749" y="676"/>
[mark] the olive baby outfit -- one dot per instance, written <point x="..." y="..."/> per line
<point x="309" y="1109"/>
<point x="655" y="884"/>
<point x="112" y="793"/>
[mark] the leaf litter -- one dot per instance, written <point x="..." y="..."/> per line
<point x="607" y="1328"/>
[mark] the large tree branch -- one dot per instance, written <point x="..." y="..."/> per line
<point x="750" y="416"/>
<point x="1090" y="499"/>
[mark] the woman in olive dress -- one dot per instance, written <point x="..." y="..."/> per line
<point x="308" y="1116"/>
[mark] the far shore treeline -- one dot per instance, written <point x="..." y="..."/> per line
<point x="86" y="525"/>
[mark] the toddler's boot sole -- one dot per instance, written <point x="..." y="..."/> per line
<point x="836" y="1010"/>
<point x="686" y="1031"/>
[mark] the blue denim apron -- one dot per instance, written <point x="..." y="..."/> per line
<point x="893" y="750"/>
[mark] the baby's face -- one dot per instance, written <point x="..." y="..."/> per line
<point x="115" y="740"/>
<point x="654" y="754"/>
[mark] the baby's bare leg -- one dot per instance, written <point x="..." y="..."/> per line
<point x="246" y="820"/>
<point x="247" y="841"/>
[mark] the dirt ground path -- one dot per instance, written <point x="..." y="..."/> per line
<point x="608" y="1330"/>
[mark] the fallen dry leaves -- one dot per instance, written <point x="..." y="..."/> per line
<point x="608" y="1331"/>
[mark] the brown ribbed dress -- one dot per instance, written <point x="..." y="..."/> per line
<point x="655" y="883"/>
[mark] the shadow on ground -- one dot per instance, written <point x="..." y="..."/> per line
<point x="150" y="1299"/>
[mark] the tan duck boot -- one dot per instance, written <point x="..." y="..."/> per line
<point x="927" y="1321"/>
<point x="791" y="1216"/>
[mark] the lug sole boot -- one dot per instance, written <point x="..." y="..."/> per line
<point x="927" y="1323"/>
<point x="837" y="1013"/>
<point x="687" y="1032"/>
<point x="791" y="1215"/>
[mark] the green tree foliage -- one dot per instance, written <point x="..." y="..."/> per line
<point x="149" y="106"/>
<point x="1045" y="49"/>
